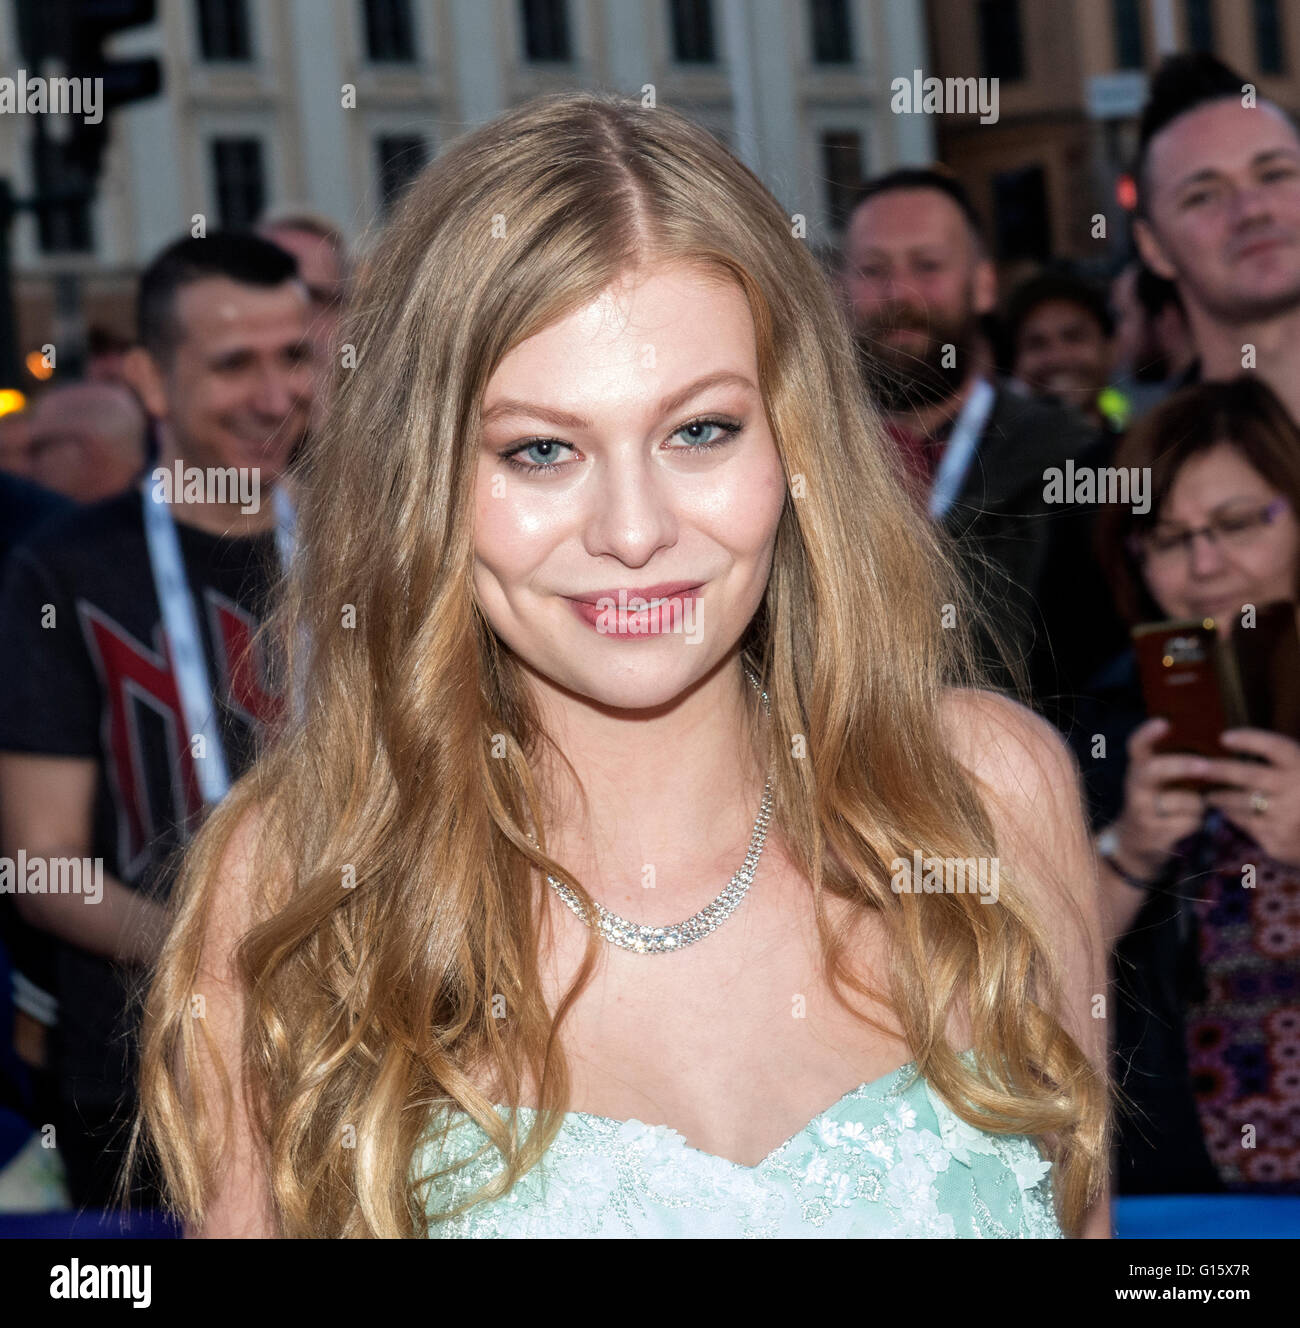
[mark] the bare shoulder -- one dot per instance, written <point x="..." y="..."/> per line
<point x="1029" y="783"/>
<point x="1017" y="755"/>
<point x="242" y="886"/>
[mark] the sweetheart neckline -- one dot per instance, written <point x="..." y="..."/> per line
<point x="717" y="1157"/>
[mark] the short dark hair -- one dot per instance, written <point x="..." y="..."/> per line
<point x="1181" y="84"/>
<point x="923" y="177"/>
<point x="236" y="255"/>
<point x="1056" y="285"/>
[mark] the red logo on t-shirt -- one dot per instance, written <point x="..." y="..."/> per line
<point x="136" y="678"/>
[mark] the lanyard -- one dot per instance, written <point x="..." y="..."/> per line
<point x="181" y="627"/>
<point x="960" y="452"/>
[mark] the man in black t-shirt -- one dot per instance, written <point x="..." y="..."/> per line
<point x="28" y="1007"/>
<point x="129" y="694"/>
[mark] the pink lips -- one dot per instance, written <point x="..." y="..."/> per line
<point x="637" y="611"/>
<point x="1262" y="246"/>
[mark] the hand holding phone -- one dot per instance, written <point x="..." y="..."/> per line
<point x="1261" y="796"/>
<point x="1160" y="806"/>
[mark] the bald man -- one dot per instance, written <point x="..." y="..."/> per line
<point x="88" y="440"/>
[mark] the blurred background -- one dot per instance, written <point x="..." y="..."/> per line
<point x="235" y="108"/>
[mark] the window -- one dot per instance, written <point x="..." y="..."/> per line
<point x="1200" y="25"/>
<point x="401" y="158"/>
<point x="1268" y="37"/>
<point x="832" y="33"/>
<point x="224" y="33"/>
<point x="390" y="32"/>
<point x="1020" y="214"/>
<point x="692" y="22"/>
<point x="842" y="169"/>
<point x="1002" y="52"/>
<point x="1127" y="16"/>
<point x="546" y="30"/>
<point x="240" y="181"/>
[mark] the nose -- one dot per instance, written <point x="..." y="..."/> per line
<point x="631" y="515"/>
<point x="279" y="391"/>
<point x="1250" y="205"/>
<point x="1205" y="558"/>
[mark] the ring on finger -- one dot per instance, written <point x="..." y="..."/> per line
<point x="1258" y="803"/>
<point x="1161" y="809"/>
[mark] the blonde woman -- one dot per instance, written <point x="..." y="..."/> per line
<point x="585" y="894"/>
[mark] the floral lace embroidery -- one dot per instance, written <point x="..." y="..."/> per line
<point x="888" y="1160"/>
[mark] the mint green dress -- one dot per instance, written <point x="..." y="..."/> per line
<point x="888" y="1159"/>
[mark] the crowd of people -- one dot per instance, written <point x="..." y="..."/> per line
<point x="129" y="634"/>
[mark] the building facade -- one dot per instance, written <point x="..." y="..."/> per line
<point x="333" y="105"/>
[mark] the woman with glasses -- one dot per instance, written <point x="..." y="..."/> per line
<point x="1207" y="963"/>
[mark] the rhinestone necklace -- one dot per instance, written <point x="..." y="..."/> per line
<point x="661" y="940"/>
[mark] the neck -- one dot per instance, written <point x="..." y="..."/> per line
<point x="927" y="420"/>
<point x="217" y="518"/>
<point x="677" y="788"/>
<point x="1222" y="347"/>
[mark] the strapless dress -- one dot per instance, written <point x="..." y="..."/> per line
<point x="888" y="1159"/>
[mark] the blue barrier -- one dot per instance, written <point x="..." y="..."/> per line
<point x="92" y="1224"/>
<point x="1206" y="1217"/>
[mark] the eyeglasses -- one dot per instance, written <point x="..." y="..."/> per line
<point x="1164" y="545"/>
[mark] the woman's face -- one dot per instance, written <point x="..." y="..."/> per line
<point x="1215" y="577"/>
<point x="629" y="490"/>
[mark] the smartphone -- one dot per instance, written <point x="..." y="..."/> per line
<point x="1190" y="678"/>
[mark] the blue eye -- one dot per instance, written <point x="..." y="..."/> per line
<point x="539" y="454"/>
<point x="544" y="451"/>
<point x="729" y="430"/>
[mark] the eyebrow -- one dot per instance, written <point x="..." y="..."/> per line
<point x="1259" y="159"/>
<point x="564" y="420"/>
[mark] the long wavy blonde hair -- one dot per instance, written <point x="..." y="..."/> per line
<point x="370" y="1006"/>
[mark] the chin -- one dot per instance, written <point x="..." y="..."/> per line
<point x="646" y="683"/>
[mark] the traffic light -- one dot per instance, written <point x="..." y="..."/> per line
<point x="74" y="32"/>
<point x="123" y="81"/>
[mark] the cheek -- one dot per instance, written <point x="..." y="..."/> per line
<point x="1275" y="563"/>
<point x="208" y="398"/>
<point x="514" y="527"/>
<point x="742" y="509"/>
<point x="945" y="293"/>
<point x="1200" y="241"/>
<point x="1167" y="587"/>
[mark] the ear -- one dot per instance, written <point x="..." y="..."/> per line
<point x="147" y="377"/>
<point x="1153" y="254"/>
<point x="984" y="286"/>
